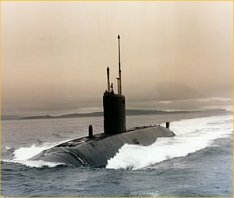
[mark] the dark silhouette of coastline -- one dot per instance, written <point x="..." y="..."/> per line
<point x="129" y="112"/>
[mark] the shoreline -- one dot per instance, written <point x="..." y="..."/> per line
<point x="129" y="112"/>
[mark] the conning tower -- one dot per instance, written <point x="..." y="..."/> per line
<point x="114" y="104"/>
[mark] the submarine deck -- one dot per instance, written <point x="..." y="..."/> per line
<point x="98" y="136"/>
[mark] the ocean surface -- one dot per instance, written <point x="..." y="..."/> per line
<point x="196" y="162"/>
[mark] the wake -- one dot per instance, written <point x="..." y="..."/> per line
<point x="191" y="135"/>
<point x="23" y="155"/>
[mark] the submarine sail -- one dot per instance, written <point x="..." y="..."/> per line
<point x="96" y="149"/>
<point x="114" y="105"/>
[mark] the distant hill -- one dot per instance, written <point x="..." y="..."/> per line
<point x="129" y="112"/>
<point x="79" y="115"/>
<point x="38" y="117"/>
<point x="98" y="114"/>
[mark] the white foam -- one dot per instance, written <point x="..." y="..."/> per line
<point x="39" y="163"/>
<point x="191" y="136"/>
<point x="22" y="155"/>
<point x="25" y="153"/>
<point x="8" y="147"/>
<point x="34" y="163"/>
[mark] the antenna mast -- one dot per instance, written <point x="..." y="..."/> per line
<point x="119" y="78"/>
<point x="108" y="79"/>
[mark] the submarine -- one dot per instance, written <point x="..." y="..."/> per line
<point x="94" y="150"/>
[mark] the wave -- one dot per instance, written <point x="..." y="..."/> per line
<point x="8" y="148"/>
<point x="191" y="135"/>
<point x="34" y="163"/>
<point x="23" y="155"/>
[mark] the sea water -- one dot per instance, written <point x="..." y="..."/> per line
<point x="196" y="162"/>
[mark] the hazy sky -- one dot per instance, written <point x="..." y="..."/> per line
<point x="55" y="54"/>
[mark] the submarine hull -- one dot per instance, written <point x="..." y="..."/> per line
<point x="95" y="151"/>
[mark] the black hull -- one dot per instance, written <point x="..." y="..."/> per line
<point x="97" y="150"/>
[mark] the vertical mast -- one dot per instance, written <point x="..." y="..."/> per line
<point x="108" y="79"/>
<point x="119" y="78"/>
